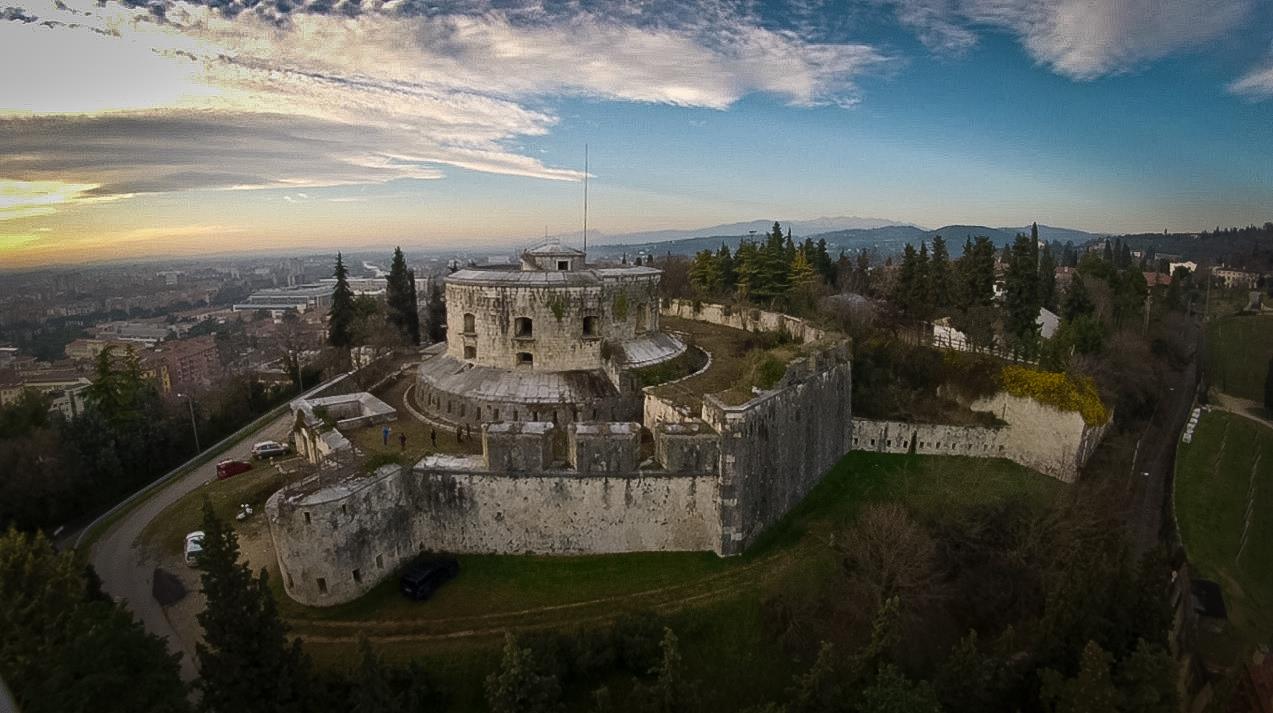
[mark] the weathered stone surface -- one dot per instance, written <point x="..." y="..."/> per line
<point x="605" y="447"/>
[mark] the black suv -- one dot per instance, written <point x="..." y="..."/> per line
<point x="422" y="577"/>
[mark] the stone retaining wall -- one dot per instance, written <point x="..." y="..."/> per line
<point x="746" y="319"/>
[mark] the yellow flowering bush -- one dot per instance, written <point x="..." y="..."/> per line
<point x="1056" y="389"/>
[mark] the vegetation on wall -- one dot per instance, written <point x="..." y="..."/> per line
<point x="620" y="307"/>
<point x="1057" y="389"/>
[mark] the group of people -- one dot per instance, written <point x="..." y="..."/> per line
<point x="461" y="432"/>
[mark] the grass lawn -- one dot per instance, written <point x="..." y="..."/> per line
<point x="1224" y="505"/>
<point x="713" y="604"/>
<point x="1238" y="351"/>
<point x="166" y="533"/>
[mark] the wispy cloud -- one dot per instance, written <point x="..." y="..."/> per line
<point x="1256" y="84"/>
<point x="1079" y="39"/>
<point x="175" y="96"/>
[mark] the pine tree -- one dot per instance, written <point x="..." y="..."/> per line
<point x="1147" y="681"/>
<point x="340" y="318"/>
<point x="1077" y="302"/>
<point x="705" y="273"/>
<point x="518" y="687"/>
<point x="746" y="269"/>
<point x="803" y="277"/>
<point x="818" y="690"/>
<point x="1092" y="690"/>
<point x="773" y="267"/>
<point x="671" y="691"/>
<point x="1268" y="388"/>
<point x="939" y="281"/>
<point x="246" y="663"/>
<point x="64" y="647"/>
<point x="907" y="280"/>
<point x="400" y="299"/>
<point x="920" y="305"/>
<point x="893" y="692"/>
<point x="725" y="266"/>
<point x="371" y="692"/>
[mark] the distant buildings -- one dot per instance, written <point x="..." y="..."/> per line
<point x="301" y="298"/>
<point x="1236" y="278"/>
<point x="183" y="363"/>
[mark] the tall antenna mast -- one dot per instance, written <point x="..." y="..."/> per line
<point x="585" y="198"/>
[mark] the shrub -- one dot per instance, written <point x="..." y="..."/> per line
<point x="378" y="460"/>
<point x="1057" y="389"/>
<point x="620" y="307"/>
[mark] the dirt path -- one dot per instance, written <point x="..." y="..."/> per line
<point x="1242" y="407"/>
<point x="662" y="599"/>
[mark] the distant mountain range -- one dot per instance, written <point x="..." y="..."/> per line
<point x="888" y="238"/>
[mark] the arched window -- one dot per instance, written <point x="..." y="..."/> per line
<point x="523" y="328"/>
<point x="470" y="323"/>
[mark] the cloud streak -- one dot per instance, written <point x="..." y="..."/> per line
<point x="172" y="96"/>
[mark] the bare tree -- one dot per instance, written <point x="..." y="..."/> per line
<point x="886" y="554"/>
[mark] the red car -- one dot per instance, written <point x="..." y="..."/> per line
<point x="230" y="468"/>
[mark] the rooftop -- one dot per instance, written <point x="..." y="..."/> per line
<point x="531" y="387"/>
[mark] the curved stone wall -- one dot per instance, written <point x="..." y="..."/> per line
<point x="487" y="317"/>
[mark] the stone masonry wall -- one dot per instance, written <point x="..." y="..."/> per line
<point x="746" y="319"/>
<point x="777" y="446"/>
<point x="361" y="535"/>
<point x="1048" y="440"/>
<point x="623" y="308"/>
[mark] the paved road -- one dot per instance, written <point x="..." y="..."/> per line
<point x="126" y="572"/>
<point x="1157" y="457"/>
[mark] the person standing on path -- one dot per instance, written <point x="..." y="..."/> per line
<point x="402" y="441"/>
<point x="433" y="437"/>
<point x="384" y="435"/>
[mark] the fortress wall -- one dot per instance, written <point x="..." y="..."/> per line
<point x="391" y="517"/>
<point x="777" y="446"/>
<point x="624" y="307"/>
<point x="656" y="410"/>
<point x="474" y="411"/>
<point x="1051" y="441"/>
<point x="746" y="319"/>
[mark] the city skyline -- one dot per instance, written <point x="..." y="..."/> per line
<point x="176" y="129"/>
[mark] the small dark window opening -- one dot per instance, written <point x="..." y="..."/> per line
<point x="322" y="586"/>
<point x="525" y="359"/>
<point x="470" y="352"/>
<point x="357" y="577"/>
<point x="523" y="327"/>
<point x="380" y="561"/>
<point x="590" y="326"/>
<point x="306" y="518"/>
<point x="470" y="323"/>
<point x="563" y="264"/>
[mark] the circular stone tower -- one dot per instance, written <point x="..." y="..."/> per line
<point x="549" y="341"/>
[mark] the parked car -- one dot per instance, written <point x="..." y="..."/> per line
<point x="194" y="547"/>
<point x="230" y="468"/>
<point x="269" y="449"/>
<point x="422" y="577"/>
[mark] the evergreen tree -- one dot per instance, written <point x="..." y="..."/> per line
<point x="1147" y="681"/>
<point x="1268" y="388"/>
<point x="904" y="289"/>
<point x="818" y="690"/>
<point x="1091" y="690"/>
<point x="969" y="681"/>
<point x="671" y="691"/>
<point x="1047" y="278"/>
<point x="66" y="647"/>
<point x="921" y="305"/>
<point x="746" y="268"/>
<point x="435" y="311"/>
<point x="773" y="267"/>
<point x="518" y="686"/>
<point x="1077" y="301"/>
<point x="803" y="277"/>
<point x="400" y="299"/>
<point x="893" y="692"/>
<point x="939" y="280"/>
<point x="246" y="663"/>
<point x="340" y="318"/>
<point x="823" y="263"/>
<point x="705" y="273"/>
<point x="371" y="692"/>
<point x="1108" y="253"/>
<point x="1021" y="302"/>
<point x="862" y="273"/>
<point x="725" y="266"/>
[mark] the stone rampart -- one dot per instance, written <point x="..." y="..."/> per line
<point x="351" y="537"/>
<point x="1051" y="441"/>
<point x="596" y="448"/>
<point x="744" y="318"/>
<point x="777" y="446"/>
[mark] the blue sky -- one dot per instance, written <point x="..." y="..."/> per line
<point x="155" y="127"/>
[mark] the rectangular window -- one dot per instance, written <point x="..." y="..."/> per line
<point x="563" y="264"/>
<point x="590" y="326"/>
<point x="525" y="359"/>
<point x="380" y="561"/>
<point x="306" y="518"/>
<point x="322" y="586"/>
<point x="357" y="577"/>
<point x="523" y="328"/>
<point x="470" y="352"/>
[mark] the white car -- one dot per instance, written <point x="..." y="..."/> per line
<point x="194" y="547"/>
<point x="269" y="449"/>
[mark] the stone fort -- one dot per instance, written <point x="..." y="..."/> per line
<point x="548" y="362"/>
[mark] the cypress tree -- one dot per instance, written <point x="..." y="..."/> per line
<point x="725" y="266"/>
<point x="907" y="279"/>
<point x="1022" y="300"/>
<point x="939" y="275"/>
<point x="921" y="288"/>
<point x="246" y="663"/>
<point x="400" y="299"/>
<point x="340" y="318"/>
<point x="1047" y="278"/>
<point x="436" y="314"/>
